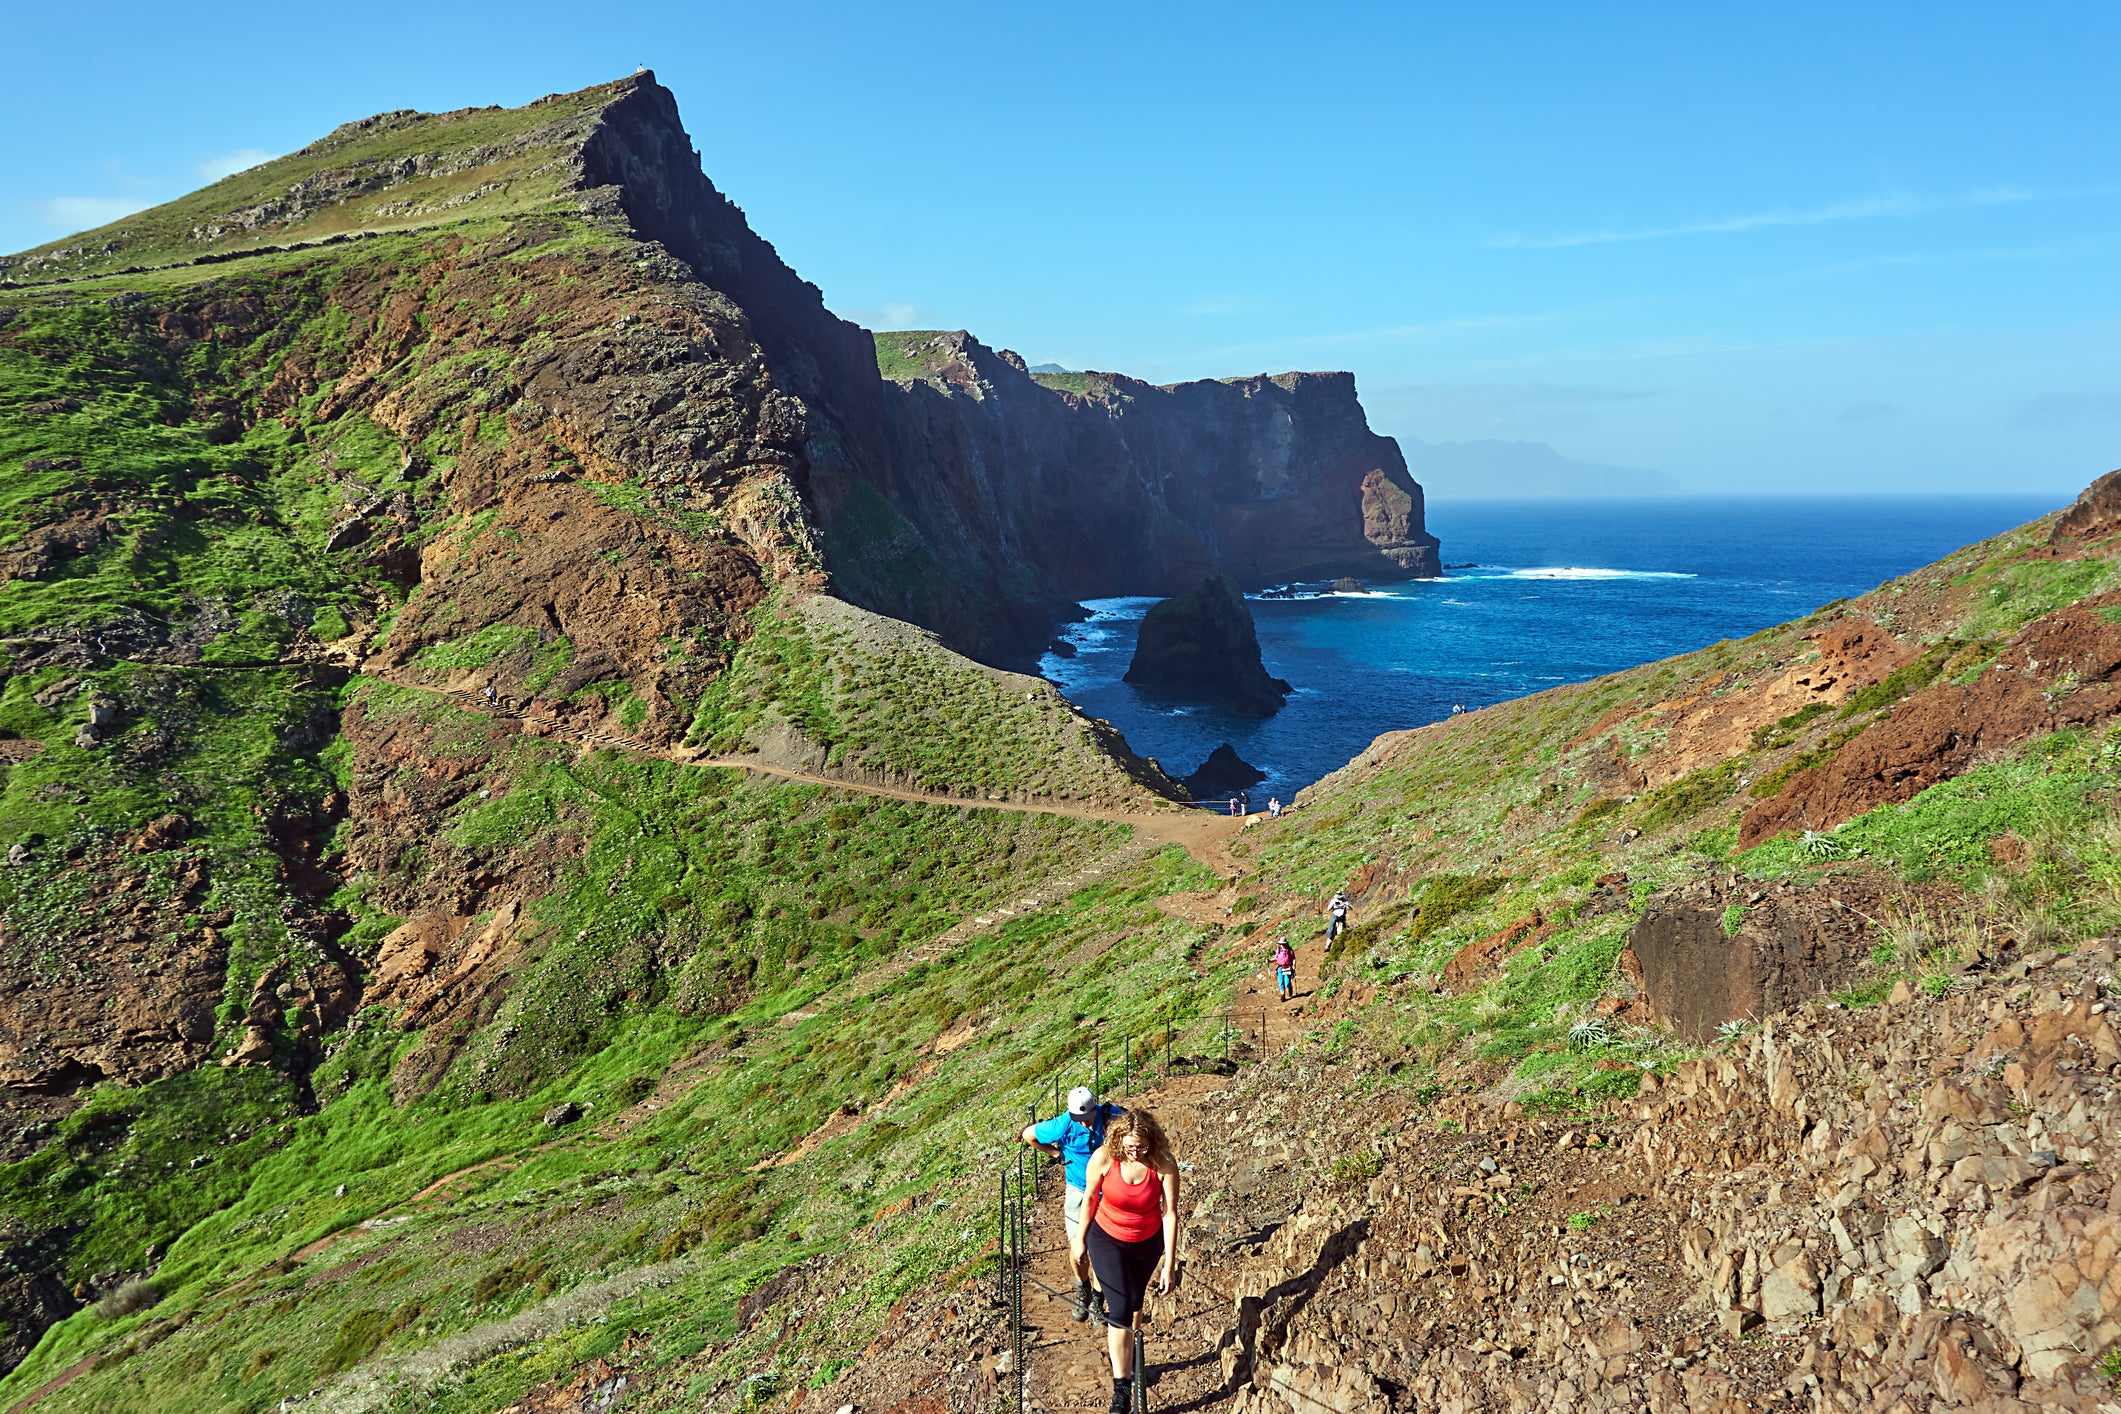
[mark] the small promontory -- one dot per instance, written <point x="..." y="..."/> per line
<point x="1201" y="645"/>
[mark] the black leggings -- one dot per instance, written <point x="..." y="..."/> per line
<point x="1124" y="1270"/>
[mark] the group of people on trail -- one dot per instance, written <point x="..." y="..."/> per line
<point x="1241" y="803"/>
<point x="1121" y="1203"/>
<point x="1121" y="1213"/>
<point x="1284" y="956"/>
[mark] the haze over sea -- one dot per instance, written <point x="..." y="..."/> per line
<point x="1561" y="591"/>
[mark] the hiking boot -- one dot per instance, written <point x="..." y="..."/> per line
<point x="1097" y="1308"/>
<point x="1122" y="1397"/>
<point x="1080" y="1310"/>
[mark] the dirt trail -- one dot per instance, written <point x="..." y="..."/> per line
<point x="1204" y="835"/>
<point x="1066" y="1362"/>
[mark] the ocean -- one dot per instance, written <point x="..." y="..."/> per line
<point x="1537" y="594"/>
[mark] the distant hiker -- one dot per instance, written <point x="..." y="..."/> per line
<point x="1284" y="967"/>
<point x="1075" y="1136"/>
<point x="1244" y="802"/>
<point x="1337" y="917"/>
<point x="1130" y="1232"/>
<point x="489" y="694"/>
<point x="1233" y="805"/>
<point x="1273" y="807"/>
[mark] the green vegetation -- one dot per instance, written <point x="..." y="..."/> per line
<point x="1688" y="796"/>
<point x="480" y="163"/>
<point x="674" y="1190"/>
<point x="1908" y="678"/>
<point x="1770" y="784"/>
<point x="1083" y="385"/>
<point x="908" y="353"/>
<point x="1443" y="897"/>
<point x="1786" y="730"/>
<point x="874" y="695"/>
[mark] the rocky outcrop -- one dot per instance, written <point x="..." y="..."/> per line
<point x="1223" y="773"/>
<point x="1201" y="646"/>
<point x="1725" y="950"/>
<point x="2096" y="511"/>
<point x="2062" y="670"/>
<point x="1908" y="1206"/>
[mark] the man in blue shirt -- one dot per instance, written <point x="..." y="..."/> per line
<point x="1075" y="1136"/>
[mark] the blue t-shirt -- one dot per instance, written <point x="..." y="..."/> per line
<point x="1077" y="1141"/>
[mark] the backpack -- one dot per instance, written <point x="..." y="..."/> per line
<point x="1283" y="957"/>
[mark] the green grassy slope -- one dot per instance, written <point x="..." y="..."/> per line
<point x="1513" y="815"/>
<point x="679" y="1186"/>
<point x="390" y="172"/>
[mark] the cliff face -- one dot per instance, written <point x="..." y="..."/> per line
<point x="1027" y="490"/>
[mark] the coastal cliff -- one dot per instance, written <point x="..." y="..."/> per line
<point x="1006" y="493"/>
<point x="952" y="488"/>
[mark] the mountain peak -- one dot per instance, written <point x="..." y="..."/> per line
<point x="397" y="170"/>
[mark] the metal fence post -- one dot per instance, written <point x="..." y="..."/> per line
<point x="1141" y="1372"/>
<point x="1023" y="1231"/>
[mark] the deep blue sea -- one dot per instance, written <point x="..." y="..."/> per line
<point x="1563" y="591"/>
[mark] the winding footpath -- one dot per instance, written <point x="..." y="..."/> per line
<point x="1203" y="834"/>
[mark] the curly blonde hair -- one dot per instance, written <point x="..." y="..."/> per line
<point x="1143" y="1124"/>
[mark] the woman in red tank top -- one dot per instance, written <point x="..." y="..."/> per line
<point x="1129" y="1232"/>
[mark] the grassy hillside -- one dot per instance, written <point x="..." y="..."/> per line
<point x="670" y="1187"/>
<point x="393" y="171"/>
<point x="1523" y="841"/>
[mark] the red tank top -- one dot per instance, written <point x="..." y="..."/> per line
<point x="1131" y="1212"/>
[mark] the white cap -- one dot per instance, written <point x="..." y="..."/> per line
<point x="1081" y="1100"/>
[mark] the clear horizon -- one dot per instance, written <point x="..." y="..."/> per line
<point x="1818" y="251"/>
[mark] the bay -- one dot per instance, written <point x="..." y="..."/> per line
<point x="1558" y="592"/>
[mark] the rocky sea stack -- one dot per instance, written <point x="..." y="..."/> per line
<point x="1223" y="773"/>
<point x="1202" y="645"/>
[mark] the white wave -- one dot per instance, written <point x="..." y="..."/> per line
<point x="1585" y="572"/>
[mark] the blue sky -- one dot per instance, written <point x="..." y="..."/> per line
<point x="1806" y="248"/>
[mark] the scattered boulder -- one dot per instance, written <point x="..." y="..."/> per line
<point x="564" y="1113"/>
<point x="256" y="1048"/>
<point x="1223" y="773"/>
<point x="1202" y="646"/>
<point x="162" y="832"/>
